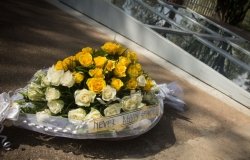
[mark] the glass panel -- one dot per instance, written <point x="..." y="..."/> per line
<point x="213" y="59"/>
<point x="245" y="45"/>
<point x="190" y="43"/>
<point x="230" y="49"/>
<point x="205" y="22"/>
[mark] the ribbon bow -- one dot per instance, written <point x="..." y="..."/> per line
<point x="7" y="110"/>
<point x="171" y="95"/>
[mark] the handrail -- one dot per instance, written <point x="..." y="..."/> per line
<point x="229" y="41"/>
<point x="215" y="24"/>
<point x="190" y="33"/>
<point x="205" y="42"/>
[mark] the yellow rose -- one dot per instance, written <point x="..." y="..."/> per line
<point x="78" y="77"/>
<point x="121" y="50"/>
<point x="100" y="61"/>
<point x="110" y="65"/>
<point x="131" y="84"/>
<point x="97" y="73"/>
<point x="116" y="83"/>
<point x="68" y="63"/>
<point x="134" y="70"/>
<point x="132" y="56"/>
<point x="96" y="84"/>
<point x="138" y="66"/>
<point x="77" y="55"/>
<point x="86" y="59"/>
<point x="120" y="70"/>
<point x="124" y="61"/>
<point x="149" y="84"/>
<point x="59" y="65"/>
<point x="87" y="50"/>
<point x="111" y="48"/>
<point x="73" y="58"/>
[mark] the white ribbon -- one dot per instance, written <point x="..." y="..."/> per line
<point x="8" y="110"/>
<point x="172" y="94"/>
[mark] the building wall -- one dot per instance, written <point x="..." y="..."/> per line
<point x="207" y="8"/>
<point x="204" y="7"/>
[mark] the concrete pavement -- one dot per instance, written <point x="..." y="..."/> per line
<point x="34" y="34"/>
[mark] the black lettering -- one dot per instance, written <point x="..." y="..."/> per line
<point x="96" y="125"/>
<point x="130" y="118"/>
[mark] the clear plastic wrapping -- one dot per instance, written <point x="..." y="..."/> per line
<point x="127" y="124"/>
<point x="94" y="94"/>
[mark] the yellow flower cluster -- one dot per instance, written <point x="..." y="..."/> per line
<point x="66" y="64"/>
<point x="112" y="48"/>
<point x="78" y="77"/>
<point x="92" y="84"/>
<point x="112" y="65"/>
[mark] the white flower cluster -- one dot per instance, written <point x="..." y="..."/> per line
<point x="52" y="79"/>
<point x="83" y="97"/>
<point x="43" y="88"/>
<point x="57" y="77"/>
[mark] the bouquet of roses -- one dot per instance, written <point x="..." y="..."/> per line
<point x="97" y="93"/>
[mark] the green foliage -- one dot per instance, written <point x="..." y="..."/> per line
<point x="232" y="11"/>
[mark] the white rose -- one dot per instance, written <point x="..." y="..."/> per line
<point x="39" y="74"/>
<point x="142" y="105"/>
<point x="55" y="106"/>
<point x="108" y="93"/>
<point x="155" y="87"/>
<point x="35" y="92"/>
<point x="150" y="98"/>
<point x="44" y="81"/>
<point x="84" y="97"/>
<point x="130" y="103"/>
<point x="141" y="80"/>
<point x="112" y="109"/>
<point x="54" y="76"/>
<point x="137" y="97"/>
<point x="52" y="94"/>
<point x="41" y="116"/>
<point x="67" y="79"/>
<point x="93" y="114"/>
<point x="75" y="115"/>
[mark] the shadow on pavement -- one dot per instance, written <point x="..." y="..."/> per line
<point x="34" y="35"/>
<point x="159" y="138"/>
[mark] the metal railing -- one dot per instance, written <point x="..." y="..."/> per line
<point x="198" y="37"/>
<point x="217" y="36"/>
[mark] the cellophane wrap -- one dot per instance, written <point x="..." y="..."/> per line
<point x="127" y="124"/>
<point x="96" y="93"/>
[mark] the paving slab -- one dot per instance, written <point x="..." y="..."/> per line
<point x="34" y="34"/>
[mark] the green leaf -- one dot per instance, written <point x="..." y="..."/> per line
<point x="38" y="106"/>
<point x="100" y="53"/>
